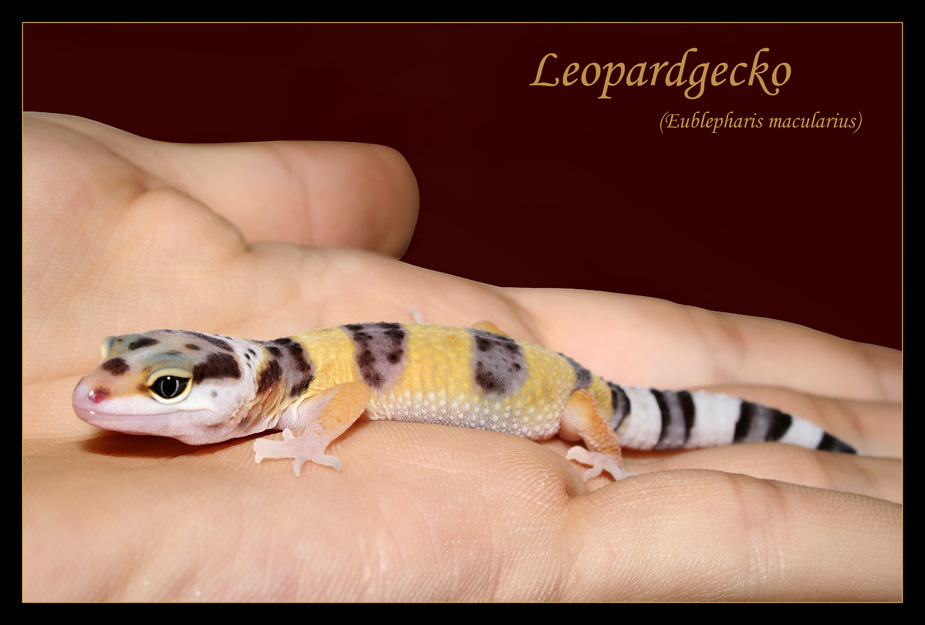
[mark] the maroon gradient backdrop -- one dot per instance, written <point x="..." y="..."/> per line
<point x="539" y="186"/>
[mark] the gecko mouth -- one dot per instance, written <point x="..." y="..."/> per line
<point x="120" y="422"/>
<point x="164" y="424"/>
<point x="127" y="422"/>
<point x="193" y="427"/>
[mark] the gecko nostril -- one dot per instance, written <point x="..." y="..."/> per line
<point x="97" y="395"/>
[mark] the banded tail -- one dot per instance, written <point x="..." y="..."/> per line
<point x="651" y="419"/>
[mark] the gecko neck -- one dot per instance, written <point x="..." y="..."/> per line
<point x="283" y="378"/>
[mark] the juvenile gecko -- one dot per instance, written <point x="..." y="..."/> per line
<point x="205" y="388"/>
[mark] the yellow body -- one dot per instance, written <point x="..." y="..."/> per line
<point x="437" y="382"/>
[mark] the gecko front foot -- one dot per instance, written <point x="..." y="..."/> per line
<point x="300" y="448"/>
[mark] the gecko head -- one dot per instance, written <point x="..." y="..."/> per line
<point x="185" y="385"/>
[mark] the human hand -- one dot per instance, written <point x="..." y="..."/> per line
<point x="122" y="234"/>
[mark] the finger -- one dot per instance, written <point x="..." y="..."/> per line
<point x="636" y="340"/>
<point x="311" y="193"/>
<point x="870" y="476"/>
<point x="732" y="537"/>
<point x="655" y="536"/>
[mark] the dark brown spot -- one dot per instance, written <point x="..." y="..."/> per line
<point x="487" y="380"/>
<point x="366" y="358"/>
<point x="619" y="405"/>
<point x="144" y="341"/>
<point x="582" y="375"/>
<point x="192" y="346"/>
<point x="830" y="443"/>
<point x="217" y="366"/>
<point x="214" y="340"/>
<point x="373" y="378"/>
<point x="301" y="386"/>
<point x="295" y="365"/>
<point x="298" y="366"/>
<point x="115" y="366"/>
<point x="499" y="366"/>
<point x="759" y="423"/>
<point x="298" y="356"/>
<point x="379" y="351"/>
<point x="269" y="377"/>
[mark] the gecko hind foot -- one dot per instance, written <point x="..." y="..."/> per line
<point x="598" y="462"/>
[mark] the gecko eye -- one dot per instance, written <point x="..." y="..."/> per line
<point x="169" y="386"/>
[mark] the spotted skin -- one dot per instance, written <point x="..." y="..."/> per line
<point x="203" y="388"/>
<point x="286" y="355"/>
<point x="217" y="365"/>
<point x="115" y="366"/>
<point x="380" y="351"/>
<point x="498" y="363"/>
<point x="269" y="377"/>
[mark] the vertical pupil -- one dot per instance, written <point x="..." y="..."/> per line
<point x="169" y="386"/>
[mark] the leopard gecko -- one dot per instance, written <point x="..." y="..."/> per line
<point x="205" y="388"/>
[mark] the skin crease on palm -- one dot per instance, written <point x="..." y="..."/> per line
<point x="123" y="234"/>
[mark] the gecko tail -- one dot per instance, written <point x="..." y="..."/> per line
<point x="645" y="418"/>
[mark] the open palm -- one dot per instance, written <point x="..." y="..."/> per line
<point x="122" y="234"/>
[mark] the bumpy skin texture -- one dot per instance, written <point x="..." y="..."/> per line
<point x="202" y="388"/>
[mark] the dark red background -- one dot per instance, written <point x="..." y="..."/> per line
<point x="531" y="186"/>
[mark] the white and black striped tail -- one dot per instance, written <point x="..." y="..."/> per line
<point x="651" y="419"/>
